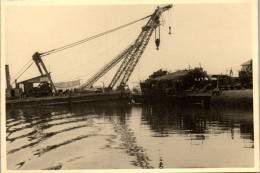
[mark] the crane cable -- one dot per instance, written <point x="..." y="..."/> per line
<point x="76" y="43"/>
<point x="22" y="68"/>
<point x="23" y="72"/>
<point x="90" y="38"/>
<point x="98" y="57"/>
<point x="170" y="23"/>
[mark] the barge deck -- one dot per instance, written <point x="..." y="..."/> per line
<point x="70" y="99"/>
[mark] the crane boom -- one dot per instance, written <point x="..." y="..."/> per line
<point x="136" y="58"/>
<point x="126" y="62"/>
<point x="131" y="55"/>
<point x="141" y="42"/>
<point x="127" y="68"/>
<point x="106" y="68"/>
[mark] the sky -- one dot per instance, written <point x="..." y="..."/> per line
<point x="217" y="36"/>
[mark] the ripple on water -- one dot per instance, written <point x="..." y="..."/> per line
<point x="148" y="136"/>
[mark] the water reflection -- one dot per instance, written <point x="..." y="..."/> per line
<point x="194" y="120"/>
<point x="147" y="136"/>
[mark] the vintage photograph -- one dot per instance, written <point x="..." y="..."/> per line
<point x="129" y="86"/>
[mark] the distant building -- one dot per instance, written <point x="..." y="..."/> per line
<point x="246" y="74"/>
<point x="247" y="66"/>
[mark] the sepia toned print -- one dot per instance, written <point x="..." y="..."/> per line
<point x="164" y="86"/>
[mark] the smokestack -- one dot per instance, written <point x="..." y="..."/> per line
<point x="8" y="84"/>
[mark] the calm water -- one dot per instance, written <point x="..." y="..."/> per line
<point x="116" y="136"/>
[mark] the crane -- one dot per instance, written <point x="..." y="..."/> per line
<point x="130" y="56"/>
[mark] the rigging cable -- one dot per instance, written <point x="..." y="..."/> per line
<point x="22" y="68"/>
<point x="78" y="77"/>
<point x="77" y="43"/>
<point x="100" y="55"/>
<point x="23" y="72"/>
<point x="90" y="38"/>
<point x="170" y="22"/>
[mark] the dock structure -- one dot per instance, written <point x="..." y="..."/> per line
<point x="70" y="99"/>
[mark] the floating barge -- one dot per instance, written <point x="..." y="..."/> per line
<point x="104" y="97"/>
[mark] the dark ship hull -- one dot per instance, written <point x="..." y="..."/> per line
<point x="183" y="86"/>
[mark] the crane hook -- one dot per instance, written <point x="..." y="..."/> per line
<point x="157" y="42"/>
<point x="170" y="30"/>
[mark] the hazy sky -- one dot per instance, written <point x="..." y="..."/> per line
<point x="219" y="36"/>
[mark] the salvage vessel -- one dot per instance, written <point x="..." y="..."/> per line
<point x="192" y="86"/>
<point x="47" y="89"/>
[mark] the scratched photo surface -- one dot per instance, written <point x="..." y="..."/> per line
<point x="129" y="86"/>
